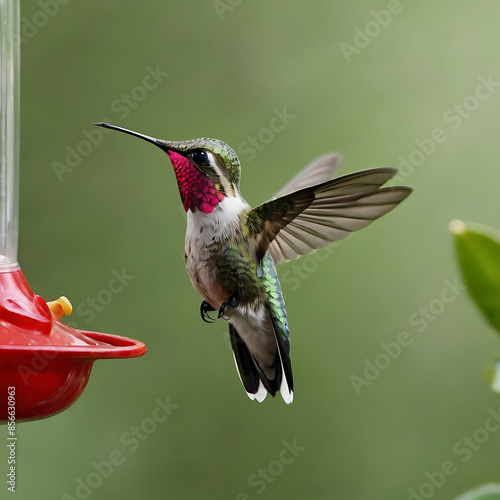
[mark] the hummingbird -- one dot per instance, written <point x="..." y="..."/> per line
<point x="231" y="249"/>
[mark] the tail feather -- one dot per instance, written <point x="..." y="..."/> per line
<point x="245" y="363"/>
<point x="255" y="382"/>
<point x="286" y="385"/>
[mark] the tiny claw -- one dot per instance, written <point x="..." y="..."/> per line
<point x="232" y="302"/>
<point x="60" y="307"/>
<point x="204" y="309"/>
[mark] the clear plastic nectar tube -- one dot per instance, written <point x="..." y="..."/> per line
<point x="9" y="133"/>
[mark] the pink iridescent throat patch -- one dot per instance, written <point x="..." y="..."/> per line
<point x="197" y="191"/>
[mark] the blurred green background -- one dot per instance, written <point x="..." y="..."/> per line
<point x="230" y="65"/>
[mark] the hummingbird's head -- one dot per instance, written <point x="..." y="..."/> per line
<point x="207" y="170"/>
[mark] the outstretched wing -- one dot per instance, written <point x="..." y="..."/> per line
<point x="313" y="217"/>
<point x="320" y="170"/>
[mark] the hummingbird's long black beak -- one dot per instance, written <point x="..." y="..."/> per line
<point x="156" y="142"/>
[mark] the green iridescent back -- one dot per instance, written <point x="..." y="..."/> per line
<point x="271" y="284"/>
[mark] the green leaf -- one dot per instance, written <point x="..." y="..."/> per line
<point x="478" y="251"/>
<point x="485" y="492"/>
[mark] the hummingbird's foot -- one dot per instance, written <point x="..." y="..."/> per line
<point x="205" y="308"/>
<point x="227" y="308"/>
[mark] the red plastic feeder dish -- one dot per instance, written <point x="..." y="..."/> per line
<point x="43" y="362"/>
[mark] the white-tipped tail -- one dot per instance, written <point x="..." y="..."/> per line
<point x="261" y="393"/>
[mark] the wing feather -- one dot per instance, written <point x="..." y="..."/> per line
<point x="313" y="217"/>
<point x="320" y="170"/>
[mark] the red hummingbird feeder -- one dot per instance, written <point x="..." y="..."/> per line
<point x="44" y="364"/>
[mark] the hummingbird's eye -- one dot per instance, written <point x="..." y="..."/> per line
<point x="200" y="157"/>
